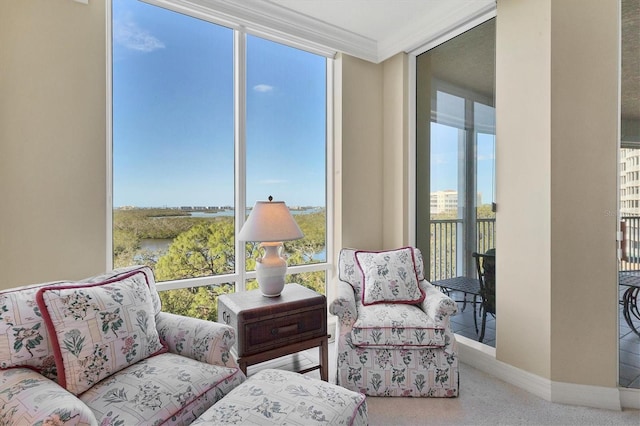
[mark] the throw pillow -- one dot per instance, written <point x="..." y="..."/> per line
<point x="348" y="270"/>
<point x="99" y="329"/>
<point x="389" y="277"/>
<point x="24" y="341"/>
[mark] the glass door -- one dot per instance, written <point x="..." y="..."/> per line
<point x="455" y="150"/>
<point x="629" y="199"/>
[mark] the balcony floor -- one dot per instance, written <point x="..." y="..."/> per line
<point x="462" y="324"/>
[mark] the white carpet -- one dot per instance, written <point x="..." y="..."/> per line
<point x="485" y="400"/>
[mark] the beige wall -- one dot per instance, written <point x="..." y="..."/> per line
<point x="395" y="164"/>
<point x="584" y="141"/>
<point x="523" y="184"/>
<point x="556" y="166"/>
<point x="52" y="140"/>
<point x="371" y="152"/>
<point x="557" y="118"/>
<point x="359" y="148"/>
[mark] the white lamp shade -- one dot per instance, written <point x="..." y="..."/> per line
<point x="270" y="221"/>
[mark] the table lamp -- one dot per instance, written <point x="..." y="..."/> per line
<point x="270" y="223"/>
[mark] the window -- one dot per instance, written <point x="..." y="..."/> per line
<point x="207" y="120"/>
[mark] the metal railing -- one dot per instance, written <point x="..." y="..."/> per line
<point x="446" y="245"/>
<point x="445" y="262"/>
<point x="630" y="227"/>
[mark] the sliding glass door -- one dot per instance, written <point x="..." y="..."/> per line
<point x="455" y="147"/>
<point x="629" y="196"/>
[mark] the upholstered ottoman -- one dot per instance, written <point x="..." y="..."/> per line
<point x="274" y="397"/>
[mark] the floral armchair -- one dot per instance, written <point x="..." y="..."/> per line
<point x="393" y="335"/>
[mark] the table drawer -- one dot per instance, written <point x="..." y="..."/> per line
<point x="275" y="332"/>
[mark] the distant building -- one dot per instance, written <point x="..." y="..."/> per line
<point x="629" y="204"/>
<point x="629" y="182"/>
<point x="447" y="201"/>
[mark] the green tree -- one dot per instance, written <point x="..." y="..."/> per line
<point x="313" y="226"/>
<point x="197" y="302"/>
<point x="205" y="249"/>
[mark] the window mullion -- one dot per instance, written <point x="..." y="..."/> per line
<point x="240" y="144"/>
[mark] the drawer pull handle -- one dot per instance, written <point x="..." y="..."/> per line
<point x="285" y="329"/>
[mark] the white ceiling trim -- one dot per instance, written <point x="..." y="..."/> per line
<point x="276" y="23"/>
<point x="457" y="21"/>
<point x="281" y="24"/>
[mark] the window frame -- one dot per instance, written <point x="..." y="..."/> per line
<point x="240" y="276"/>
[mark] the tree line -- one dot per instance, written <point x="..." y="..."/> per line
<point x="203" y="247"/>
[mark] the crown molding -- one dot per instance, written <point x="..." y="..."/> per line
<point x="278" y="23"/>
<point x="442" y="25"/>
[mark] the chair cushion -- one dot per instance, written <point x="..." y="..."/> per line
<point x="395" y="325"/>
<point x="166" y="388"/>
<point x="389" y="277"/>
<point x="99" y="329"/>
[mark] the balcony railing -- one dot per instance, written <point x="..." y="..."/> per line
<point x="630" y="227"/>
<point x="446" y="244"/>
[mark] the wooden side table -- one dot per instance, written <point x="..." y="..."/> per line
<point x="271" y="327"/>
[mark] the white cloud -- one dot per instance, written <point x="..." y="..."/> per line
<point x="263" y="88"/>
<point x="127" y="33"/>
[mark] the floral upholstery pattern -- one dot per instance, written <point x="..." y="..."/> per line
<point x="349" y="272"/>
<point x="29" y="398"/>
<point x="24" y="339"/>
<point x="197" y="339"/>
<point x="167" y="387"/>
<point x="282" y="397"/>
<point x="379" y="353"/>
<point x="99" y="329"/>
<point x="127" y="270"/>
<point x="403" y="326"/>
<point x="198" y="370"/>
<point x="389" y="276"/>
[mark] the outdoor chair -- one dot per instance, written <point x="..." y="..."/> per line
<point x="486" y="267"/>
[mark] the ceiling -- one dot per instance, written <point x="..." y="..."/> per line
<point x="393" y="25"/>
<point x="375" y="30"/>
<point x="630" y="86"/>
<point x="402" y="25"/>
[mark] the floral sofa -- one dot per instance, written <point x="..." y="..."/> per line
<point x="100" y="351"/>
<point x="393" y="336"/>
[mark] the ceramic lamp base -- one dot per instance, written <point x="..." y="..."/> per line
<point x="271" y="269"/>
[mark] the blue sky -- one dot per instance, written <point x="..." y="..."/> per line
<point x="173" y="114"/>
<point x="173" y="117"/>
<point x="446" y="158"/>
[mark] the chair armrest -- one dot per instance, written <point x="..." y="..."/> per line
<point x="198" y="339"/>
<point x="344" y="306"/>
<point x="27" y="397"/>
<point x="436" y="304"/>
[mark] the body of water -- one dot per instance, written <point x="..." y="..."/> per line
<point x="161" y="246"/>
<point x="231" y="213"/>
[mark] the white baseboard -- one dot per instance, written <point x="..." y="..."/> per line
<point x="630" y="398"/>
<point x="586" y="396"/>
<point x="483" y="358"/>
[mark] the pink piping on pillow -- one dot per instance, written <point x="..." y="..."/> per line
<point x="364" y="280"/>
<point x="55" y="343"/>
